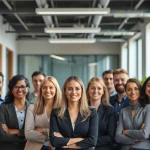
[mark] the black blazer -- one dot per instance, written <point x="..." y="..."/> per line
<point x="86" y="129"/>
<point x="8" y="116"/>
<point x="107" y="128"/>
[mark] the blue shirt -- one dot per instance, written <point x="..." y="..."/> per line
<point x="20" y="116"/>
<point x="1" y="100"/>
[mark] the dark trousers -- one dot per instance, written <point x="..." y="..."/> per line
<point x="45" y="147"/>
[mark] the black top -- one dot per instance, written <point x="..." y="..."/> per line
<point x="107" y="127"/>
<point x="8" y="116"/>
<point x="87" y="129"/>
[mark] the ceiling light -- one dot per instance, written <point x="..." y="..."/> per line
<point x="73" y="40"/>
<point x="117" y="33"/>
<point x="131" y="15"/>
<point x="72" y="30"/>
<point x="72" y="11"/>
<point x="58" y="57"/>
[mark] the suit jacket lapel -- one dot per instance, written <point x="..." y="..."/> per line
<point x="13" y="115"/>
<point x="68" y="120"/>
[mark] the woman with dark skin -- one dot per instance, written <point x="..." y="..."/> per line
<point x="12" y="114"/>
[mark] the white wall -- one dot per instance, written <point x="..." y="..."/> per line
<point x="7" y="41"/>
<point x="43" y="47"/>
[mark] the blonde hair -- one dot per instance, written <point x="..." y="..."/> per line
<point x="83" y="104"/>
<point x="119" y="71"/>
<point x="105" y="96"/>
<point x="39" y="105"/>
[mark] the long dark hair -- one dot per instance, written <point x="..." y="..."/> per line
<point x="9" y="96"/>
<point x="137" y="82"/>
<point x="144" y="96"/>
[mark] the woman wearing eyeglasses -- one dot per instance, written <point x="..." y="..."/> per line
<point x="12" y="114"/>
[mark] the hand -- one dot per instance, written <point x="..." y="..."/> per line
<point x="10" y="131"/>
<point x="142" y="126"/>
<point x="57" y="134"/>
<point x="5" y="128"/>
<point x="124" y="132"/>
<point x="38" y="129"/>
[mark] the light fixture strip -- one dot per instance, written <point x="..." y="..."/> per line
<point x="72" y="30"/>
<point x="70" y="41"/>
<point x="72" y="11"/>
<point x="58" y="57"/>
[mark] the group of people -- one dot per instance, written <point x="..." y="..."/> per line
<point x="112" y="113"/>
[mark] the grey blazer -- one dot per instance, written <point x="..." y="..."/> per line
<point x="133" y="125"/>
<point x="35" y="140"/>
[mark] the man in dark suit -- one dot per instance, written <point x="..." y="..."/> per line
<point x="120" y="100"/>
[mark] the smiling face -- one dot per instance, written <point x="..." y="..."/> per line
<point x="37" y="81"/>
<point x="133" y="92"/>
<point x="73" y="91"/>
<point x="48" y="90"/>
<point x="120" y="81"/>
<point x="95" y="91"/>
<point x="20" y="90"/>
<point x="108" y="79"/>
<point x="147" y="91"/>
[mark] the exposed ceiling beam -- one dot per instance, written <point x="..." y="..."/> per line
<point x="126" y="19"/>
<point x="16" y="15"/>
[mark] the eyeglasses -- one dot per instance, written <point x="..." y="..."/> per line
<point x="22" y="87"/>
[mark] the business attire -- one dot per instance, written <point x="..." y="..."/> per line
<point x="1" y="100"/>
<point x="133" y="127"/>
<point x="14" y="119"/>
<point x="113" y="93"/>
<point x="36" y="140"/>
<point x="107" y="128"/>
<point x="118" y="105"/>
<point x="87" y="129"/>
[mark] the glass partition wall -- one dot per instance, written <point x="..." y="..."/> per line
<point x="83" y="66"/>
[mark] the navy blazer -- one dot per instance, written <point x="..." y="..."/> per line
<point x="8" y="116"/>
<point x="107" y="128"/>
<point x="87" y="129"/>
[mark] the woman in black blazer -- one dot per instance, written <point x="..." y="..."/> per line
<point x="12" y="114"/>
<point x="74" y="125"/>
<point x="98" y="97"/>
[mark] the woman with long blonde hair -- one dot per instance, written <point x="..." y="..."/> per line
<point x="98" y="98"/>
<point x="74" y="125"/>
<point x="38" y="115"/>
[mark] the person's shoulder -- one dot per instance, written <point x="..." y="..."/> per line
<point x="147" y="107"/>
<point x="55" y="111"/>
<point x="113" y="98"/>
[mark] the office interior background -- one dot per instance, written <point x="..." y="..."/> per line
<point x="121" y="42"/>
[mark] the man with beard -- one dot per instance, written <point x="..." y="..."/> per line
<point x="120" y="100"/>
<point x="108" y="79"/>
<point x="37" y="79"/>
<point x="1" y="86"/>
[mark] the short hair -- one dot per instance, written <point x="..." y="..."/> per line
<point x="107" y="72"/>
<point x="137" y="82"/>
<point x="105" y="96"/>
<point x="119" y="71"/>
<point x="36" y="73"/>
<point x="39" y="105"/>
<point x="1" y="75"/>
